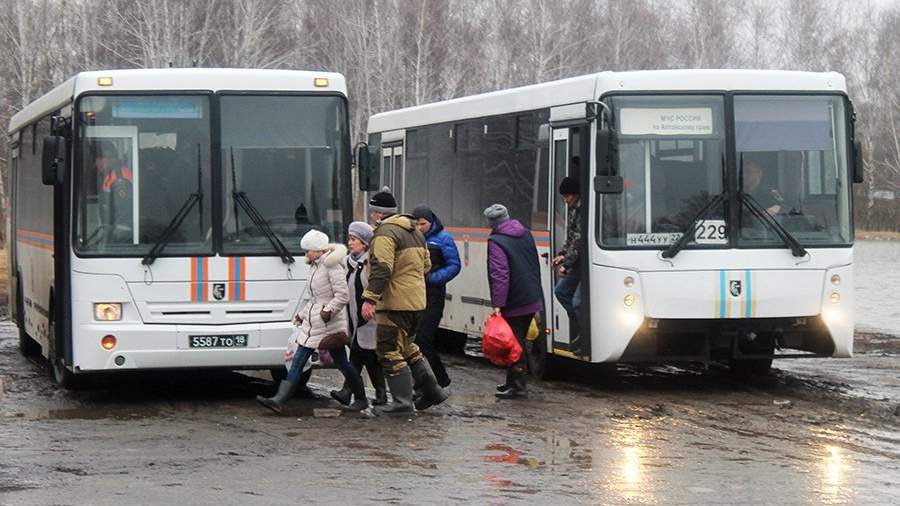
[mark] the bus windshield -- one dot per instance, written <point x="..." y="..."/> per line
<point x="670" y="154"/>
<point x="792" y="158"/>
<point x="139" y="160"/>
<point x="285" y="154"/>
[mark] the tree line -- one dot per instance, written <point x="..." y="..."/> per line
<point x="398" y="53"/>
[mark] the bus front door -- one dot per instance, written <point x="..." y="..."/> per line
<point x="565" y="143"/>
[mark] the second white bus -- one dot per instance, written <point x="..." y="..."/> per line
<point x="680" y="258"/>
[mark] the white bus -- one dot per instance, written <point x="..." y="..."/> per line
<point x="684" y="257"/>
<point x="155" y="214"/>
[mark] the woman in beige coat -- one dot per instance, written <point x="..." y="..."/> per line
<point x="322" y="315"/>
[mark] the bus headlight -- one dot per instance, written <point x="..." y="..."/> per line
<point x="629" y="282"/>
<point x="835" y="297"/>
<point x="108" y="311"/>
<point x="629" y="300"/>
<point x="832" y="316"/>
<point x="835" y="280"/>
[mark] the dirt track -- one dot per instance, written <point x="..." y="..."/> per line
<point x="810" y="434"/>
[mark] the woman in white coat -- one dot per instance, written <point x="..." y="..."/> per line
<point x="323" y="316"/>
<point x="362" y="331"/>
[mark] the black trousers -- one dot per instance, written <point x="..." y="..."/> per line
<point x="426" y="334"/>
<point x="360" y="357"/>
<point x="519" y="326"/>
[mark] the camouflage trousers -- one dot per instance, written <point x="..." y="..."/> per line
<point x="394" y="334"/>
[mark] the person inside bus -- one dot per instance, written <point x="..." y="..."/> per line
<point x="514" y="277"/>
<point x="568" y="288"/>
<point x="445" y="266"/>
<point x="768" y="197"/>
<point x="116" y="199"/>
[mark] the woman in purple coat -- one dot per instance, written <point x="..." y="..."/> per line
<point x="514" y="275"/>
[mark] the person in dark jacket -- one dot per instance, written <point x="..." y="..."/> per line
<point x="445" y="266"/>
<point x="514" y="276"/>
<point x="568" y="288"/>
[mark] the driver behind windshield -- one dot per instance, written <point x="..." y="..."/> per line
<point x="116" y="198"/>
<point x="768" y="197"/>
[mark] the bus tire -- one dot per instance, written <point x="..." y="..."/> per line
<point x="541" y="363"/>
<point x="59" y="373"/>
<point x="278" y="374"/>
<point x="754" y="367"/>
<point x="27" y="346"/>
<point x="751" y="368"/>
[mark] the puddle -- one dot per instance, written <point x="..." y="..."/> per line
<point x="93" y="414"/>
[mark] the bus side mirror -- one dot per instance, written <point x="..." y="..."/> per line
<point x="367" y="161"/>
<point x="604" y="180"/>
<point x="858" y="166"/>
<point x="53" y="160"/>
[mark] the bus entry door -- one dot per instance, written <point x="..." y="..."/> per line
<point x="557" y="317"/>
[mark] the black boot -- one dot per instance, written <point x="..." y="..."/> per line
<point x="342" y="395"/>
<point x="380" y="396"/>
<point x="377" y="377"/>
<point x="360" y="401"/>
<point x="276" y="403"/>
<point x="508" y="383"/>
<point x="518" y="388"/>
<point x="432" y="393"/>
<point x="401" y="393"/>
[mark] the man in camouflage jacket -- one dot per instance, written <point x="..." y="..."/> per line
<point x="568" y="288"/>
<point x="395" y="297"/>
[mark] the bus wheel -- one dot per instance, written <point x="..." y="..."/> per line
<point x="751" y="368"/>
<point x="541" y="364"/>
<point x="279" y="374"/>
<point x="27" y="346"/>
<point x="62" y="376"/>
<point x="754" y="367"/>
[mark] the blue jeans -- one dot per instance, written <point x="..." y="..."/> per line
<point x="568" y="292"/>
<point x="339" y="355"/>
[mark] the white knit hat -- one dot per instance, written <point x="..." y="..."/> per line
<point x="314" y="241"/>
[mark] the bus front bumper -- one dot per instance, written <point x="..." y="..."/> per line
<point x="139" y="346"/>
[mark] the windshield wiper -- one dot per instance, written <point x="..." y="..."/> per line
<point x="240" y="198"/>
<point x="688" y="234"/>
<point x="762" y="215"/>
<point x="192" y="200"/>
<point x="173" y="225"/>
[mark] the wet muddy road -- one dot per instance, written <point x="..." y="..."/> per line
<point x="814" y="432"/>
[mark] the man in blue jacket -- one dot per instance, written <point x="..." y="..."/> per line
<point x="444" y="267"/>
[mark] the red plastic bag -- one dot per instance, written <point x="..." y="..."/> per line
<point x="499" y="344"/>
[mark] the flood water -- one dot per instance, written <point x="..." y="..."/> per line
<point x="876" y="271"/>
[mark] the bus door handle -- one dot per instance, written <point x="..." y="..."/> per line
<point x="546" y="256"/>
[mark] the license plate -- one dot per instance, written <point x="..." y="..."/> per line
<point x="218" y="341"/>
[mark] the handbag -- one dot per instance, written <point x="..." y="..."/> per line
<point x="333" y="341"/>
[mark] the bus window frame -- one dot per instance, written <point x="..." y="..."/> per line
<point x="77" y="179"/>
<point x="848" y="163"/>
<point x="727" y="134"/>
<point x="730" y="182"/>
<point x="346" y="196"/>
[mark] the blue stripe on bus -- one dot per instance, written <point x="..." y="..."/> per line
<point x="238" y="276"/>
<point x="749" y="294"/>
<point x="200" y="277"/>
<point x="722" y="294"/>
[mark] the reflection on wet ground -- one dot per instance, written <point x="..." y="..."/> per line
<point x="635" y="435"/>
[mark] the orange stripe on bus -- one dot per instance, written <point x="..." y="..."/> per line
<point x="35" y="244"/>
<point x="231" y="289"/>
<point x="543" y="234"/>
<point x="23" y="231"/>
